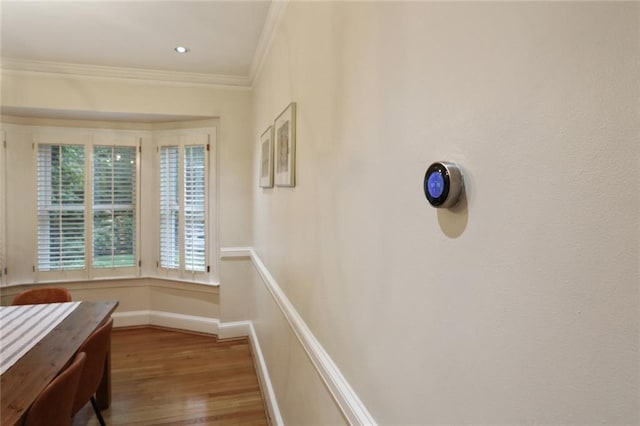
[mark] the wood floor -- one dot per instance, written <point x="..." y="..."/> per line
<point x="164" y="377"/>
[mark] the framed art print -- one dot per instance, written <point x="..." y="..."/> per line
<point x="266" y="158"/>
<point x="285" y="146"/>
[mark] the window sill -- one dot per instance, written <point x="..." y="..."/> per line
<point x="132" y="281"/>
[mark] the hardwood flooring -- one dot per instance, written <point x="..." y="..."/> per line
<point x="166" y="377"/>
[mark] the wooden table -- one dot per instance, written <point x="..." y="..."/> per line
<point x="21" y="384"/>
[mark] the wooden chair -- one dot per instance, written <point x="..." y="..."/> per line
<point x="53" y="406"/>
<point x="42" y="295"/>
<point x="96" y="347"/>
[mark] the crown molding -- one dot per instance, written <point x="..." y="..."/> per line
<point x="24" y="65"/>
<point x="271" y="23"/>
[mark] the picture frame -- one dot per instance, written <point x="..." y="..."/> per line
<point x="266" y="158"/>
<point x="285" y="147"/>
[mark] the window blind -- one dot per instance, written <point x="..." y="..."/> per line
<point x="114" y="195"/>
<point x="183" y="207"/>
<point x="60" y="182"/>
<point x="169" y="208"/>
<point x="194" y="208"/>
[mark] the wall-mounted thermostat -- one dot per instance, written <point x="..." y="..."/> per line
<point x="443" y="184"/>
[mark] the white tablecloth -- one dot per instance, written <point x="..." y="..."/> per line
<point x="22" y="327"/>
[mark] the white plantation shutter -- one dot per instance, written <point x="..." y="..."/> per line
<point x="194" y="208"/>
<point x="114" y="208"/>
<point x="87" y="198"/>
<point x="183" y="208"/>
<point x="169" y="208"/>
<point x="60" y="181"/>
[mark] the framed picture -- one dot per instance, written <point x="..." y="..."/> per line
<point x="285" y="141"/>
<point x="266" y="158"/>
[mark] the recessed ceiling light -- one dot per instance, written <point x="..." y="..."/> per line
<point x="181" y="49"/>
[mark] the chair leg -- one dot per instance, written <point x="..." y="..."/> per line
<point x="97" y="410"/>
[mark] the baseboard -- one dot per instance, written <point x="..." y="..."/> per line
<point x="230" y="330"/>
<point x="131" y="318"/>
<point x="345" y="397"/>
<point x="182" y="322"/>
<point x="268" y="394"/>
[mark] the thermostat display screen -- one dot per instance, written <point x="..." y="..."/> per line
<point x="443" y="184"/>
<point x="435" y="184"/>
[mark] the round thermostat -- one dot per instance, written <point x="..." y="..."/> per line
<point x="443" y="184"/>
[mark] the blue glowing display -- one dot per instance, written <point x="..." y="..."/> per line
<point x="435" y="184"/>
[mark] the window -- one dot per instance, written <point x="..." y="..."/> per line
<point x="169" y="208"/>
<point x="61" y="243"/>
<point x="109" y="203"/>
<point x="114" y="194"/>
<point x="194" y="208"/>
<point x="87" y="215"/>
<point x="183" y="207"/>
<point x="3" y="195"/>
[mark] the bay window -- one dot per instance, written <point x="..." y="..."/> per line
<point x="98" y="203"/>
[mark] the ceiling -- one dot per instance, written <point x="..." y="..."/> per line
<point x="137" y="38"/>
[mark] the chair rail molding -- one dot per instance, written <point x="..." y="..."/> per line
<point x="235" y="252"/>
<point x="345" y="397"/>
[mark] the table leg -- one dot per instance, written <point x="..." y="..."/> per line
<point x="103" y="393"/>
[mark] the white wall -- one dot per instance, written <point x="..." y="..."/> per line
<point x="522" y="305"/>
<point x="138" y="296"/>
<point x="231" y="106"/>
<point x="519" y="307"/>
<point x="302" y="397"/>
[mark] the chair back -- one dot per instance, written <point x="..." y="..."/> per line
<point x="96" y="347"/>
<point x="36" y="296"/>
<point x="53" y="406"/>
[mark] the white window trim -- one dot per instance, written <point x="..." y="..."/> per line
<point x="20" y="224"/>
<point x="87" y="138"/>
<point x="182" y="138"/>
<point x="102" y="139"/>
